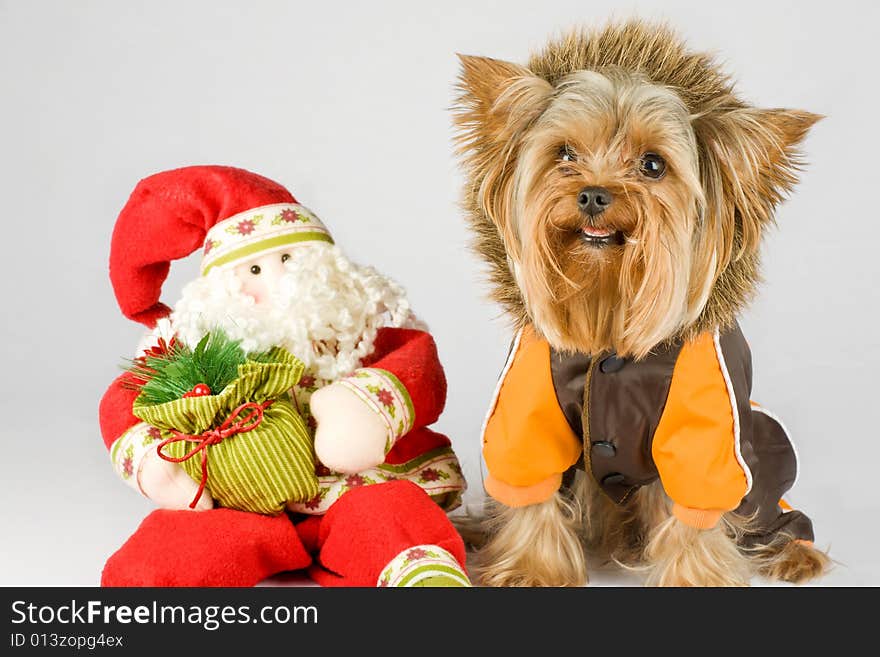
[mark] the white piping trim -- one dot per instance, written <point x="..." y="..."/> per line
<point x="492" y="404"/>
<point x="733" y="406"/>
<point x="507" y="365"/>
<point x="797" y="458"/>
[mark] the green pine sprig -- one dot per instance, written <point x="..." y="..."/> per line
<point x="169" y="376"/>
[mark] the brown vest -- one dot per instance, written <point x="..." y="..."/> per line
<point x="616" y="404"/>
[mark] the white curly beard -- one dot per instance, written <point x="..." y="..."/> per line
<point x="326" y="311"/>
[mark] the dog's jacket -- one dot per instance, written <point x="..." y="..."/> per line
<point x="682" y="414"/>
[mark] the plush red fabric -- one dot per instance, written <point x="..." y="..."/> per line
<point x="415" y="443"/>
<point x="221" y="547"/>
<point x="308" y="529"/>
<point x="360" y="534"/>
<point x="114" y="412"/>
<point x="411" y="356"/>
<point x="367" y="527"/>
<point x="166" y="218"/>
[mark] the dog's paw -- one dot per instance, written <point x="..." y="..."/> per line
<point x="535" y="545"/>
<point x="796" y="562"/>
<point x="679" y="555"/>
<point x="525" y="576"/>
<point x="688" y="574"/>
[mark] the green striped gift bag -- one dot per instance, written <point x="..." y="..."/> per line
<point x="248" y="445"/>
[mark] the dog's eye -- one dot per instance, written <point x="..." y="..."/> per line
<point x="652" y="166"/>
<point x="285" y="257"/>
<point x="255" y="269"/>
<point x="566" y="154"/>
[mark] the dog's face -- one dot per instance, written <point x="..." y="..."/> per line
<point x="619" y="209"/>
<point x="606" y="194"/>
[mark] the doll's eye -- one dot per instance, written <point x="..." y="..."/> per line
<point x="566" y="154"/>
<point x="652" y="166"/>
<point x="285" y="257"/>
<point x="255" y="269"/>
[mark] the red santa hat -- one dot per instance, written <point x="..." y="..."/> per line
<point x="232" y="214"/>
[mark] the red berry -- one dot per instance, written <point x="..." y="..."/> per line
<point x="199" y="390"/>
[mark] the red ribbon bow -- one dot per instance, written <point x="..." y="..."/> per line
<point x="229" y="428"/>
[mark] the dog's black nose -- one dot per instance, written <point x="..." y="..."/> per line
<point x="594" y="200"/>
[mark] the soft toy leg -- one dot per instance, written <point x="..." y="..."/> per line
<point x="388" y="534"/>
<point x="308" y="529"/>
<point x="221" y="547"/>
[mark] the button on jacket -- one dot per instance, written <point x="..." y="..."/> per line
<point x="683" y="415"/>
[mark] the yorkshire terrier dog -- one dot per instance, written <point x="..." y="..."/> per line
<point x="619" y="190"/>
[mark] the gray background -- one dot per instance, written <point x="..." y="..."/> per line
<point x="347" y="105"/>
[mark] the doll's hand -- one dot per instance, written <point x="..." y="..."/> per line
<point x="168" y="485"/>
<point x="350" y="437"/>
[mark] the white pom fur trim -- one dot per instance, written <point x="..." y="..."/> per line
<point x="327" y="310"/>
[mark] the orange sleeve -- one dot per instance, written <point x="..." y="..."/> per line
<point x="527" y="442"/>
<point x="696" y="444"/>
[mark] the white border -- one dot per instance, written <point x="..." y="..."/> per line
<point x="492" y="404"/>
<point x="797" y="458"/>
<point x="733" y="406"/>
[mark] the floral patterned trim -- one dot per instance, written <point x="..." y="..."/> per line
<point x="438" y="473"/>
<point x="422" y="562"/>
<point x="127" y="451"/>
<point x="386" y="395"/>
<point x="261" y="230"/>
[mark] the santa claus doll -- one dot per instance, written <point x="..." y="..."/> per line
<point x="271" y="276"/>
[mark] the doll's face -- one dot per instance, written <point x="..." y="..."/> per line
<point x="259" y="276"/>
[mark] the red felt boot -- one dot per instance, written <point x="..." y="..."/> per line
<point x="368" y="527"/>
<point x="221" y="547"/>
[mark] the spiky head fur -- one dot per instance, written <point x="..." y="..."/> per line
<point x="688" y="255"/>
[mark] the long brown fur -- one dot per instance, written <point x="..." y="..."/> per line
<point x="791" y="561"/>
<point x="743" y="191"/>
<point x="544" y="545"/>
<point x="687" y="262"/>
<point x="537" y="545"/>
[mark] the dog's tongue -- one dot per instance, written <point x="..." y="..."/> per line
<point x="596" y="232"/>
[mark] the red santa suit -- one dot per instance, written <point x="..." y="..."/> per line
<point x="386" y="525"/>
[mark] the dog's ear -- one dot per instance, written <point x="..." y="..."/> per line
<point x="497" y="101"/>
<point x="497" y="97"/>
<point x="749" y="161"/>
